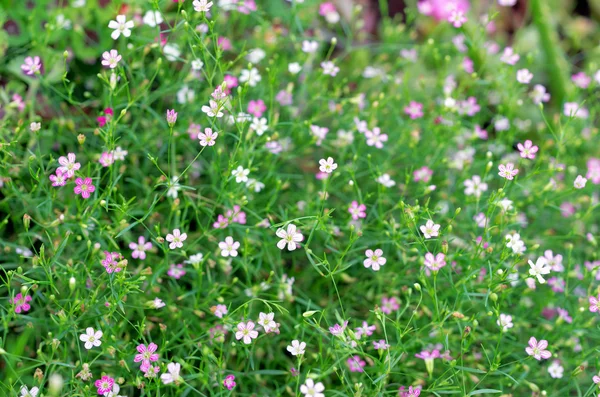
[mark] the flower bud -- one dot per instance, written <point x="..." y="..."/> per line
<point x="417" y="287"/>
<point x="72" y="283"/>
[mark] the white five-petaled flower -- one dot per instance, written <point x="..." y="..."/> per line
<point x="556" y="370"/>
<point x="386" y="180"/>
<point x="240" y="174"/>
<point x="176" y="239"/>
<point x="580" y="182"/>
<point x="328" y="165"/>
<point x="68" y="165"/>
<point x="329" y="68"/>
<point x="229" y="247"/>
<point x="251" y="76"/>
<point x="297" y="348"/>
<point x="475" y="186"/>
<point x="214" y="110"/>
<point x="524" y="76"/>
<point x="505" y="321"/>
<point x="202" y="5"/>
<point x="121" y="27"/>
<point x="309" y="388"/>
<point x="152" y="18"/>
<point x="374" y="259"/>
<point x="172" y="374"/>
<point x="246" y="332"/>
<point x="515" y="243"/>
<point x="26" y="392"/>
<point x="91" y="338"/>
<point x="291" y="237"/>
<point x="208" y="137"/>
<point x="111" y="58"/>
<point x="539" y="269"/>
<point x="430" y="229"/>
<point x="267" y="321"/>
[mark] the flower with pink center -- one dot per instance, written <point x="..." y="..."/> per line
<point x="538" y="349"/>
<point x="104" y="385"/>
<point x="68" y="166"/>
<point x="374" y="259"/>
<point x="388" y="305"/>
<point x="357" y="211"/>
<point x="376" y="138"/>
<point x="414" y="110"/>
<point x="208" y="137"/>
<point x="257" y="108"/>
<point x="32" y="66"/>
<point x="246" y="332"/>
<point x="84" y="187"/>
<point x="507" y="171"/>
<point x="423" y="174"/>
<point x="21" y="303"/>
<point x="581" y="80"/>
<point x="176" y="271"/>
<point x="527" y="150"/>
<point x="60" y="179"/>
<point x="435" y="263"/>
<point x="146" y="354"/>
<point x="229" y="382"/>
<point x="356" y="364"/>
<point x="139" y="249"/>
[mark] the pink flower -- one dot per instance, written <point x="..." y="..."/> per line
<point x="32" y="66"/>
<point x="149" y="370"/>
<point x="423" y="174"/>
<point x="111" y="262"/>
<point x="219" y="310"/>
<point x="356" y="364"/>
<point x="104" y="385"/>
<point x="176" y="239"/>
<point x="507" y="171"/>
<point x="376" y="138"/>
<point x="326" y="8"/>
<point x="257" y="108"/>
<point x="441" y="9"/>
<point x="84" y="187"/>
<point x="230" y="82"/>
<point x="146" y="354"/>
<point x="457" y="18"/>
<point x="194" y="130"/>
<point x="389" y="304"/>
<point x="527" y="150"/>
<point x="374" y="259"/>
<point x="246" y="332"/>
<point x="106" y="159"/>
<point x="435" y="263"/>
<point x="68" y="166"/>
<point x="221" y="222"/>
<point x="176" y="271"/>
<point x="357" y="211"/>
<point x="246" y="6"/>
<point x="236" y="215"/>
<point x="224" y="43"/>
<point x="365" y="329"/>
<point x="60" y="179"/>
<point x="208" y="137"/>
<point x="103" y="120"/>
<point x="381" y="345"/>
<point x="337" y="329"/>
<point x="229" y="382"/>
<point x="538" y="349"/>
<point x="581" y="80"/>
<point x="594" y="303"/>
<point x="139" y="249"/>
<point x="411" y="392"/>
<point x="21" y="303"/>
<point x="593" y="173"/>
<point x="111" y="59"/>
<point x="470" y="107"/>
<point x="414" y="110"/>
<point x="171" y="117"/>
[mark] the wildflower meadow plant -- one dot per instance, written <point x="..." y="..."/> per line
<point x="299" y="198"/>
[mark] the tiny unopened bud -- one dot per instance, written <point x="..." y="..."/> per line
<point x="333" y="40"/>
<point x="445" y="247"/>
<point x="72" y="283"/>
<point x="309" y="313"/>
<point x="494" y="297"/>
<point x="489" y="166"/>
<point x="81" y="139"/>
<point x="55" y="384"/>
<point x="417" y="287"/>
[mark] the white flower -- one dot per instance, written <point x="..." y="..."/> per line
<point x="214" y="110"/>
<point x="256" y="55"/>
<point x="294" y="68"/>
<point x="524" y="76"/>
<point x="579" y="182"/>
<point x="505" y="321"/>
<point x="556" y="370"/>
<point x="78" y="3"/>
<point x="251" y="76"/>
<point x="91" y="338"/>
<point x="290" y="237"/>
<point x="246" y="332"/>
<point x="114" y="392"/>
<point x="309" y="46"/>
<point x="229" y="247"/>
<point x="195" y="259"/>
<point x="309" y="388"/>
<point x="297" y="348"/>
<point x="197" y="64"/>
<point x="475" y="186"/>
<point x="119" y="153"/>
<point x="185" y="95"/>
<point x="202" y="5"/>
<point x="255" y="185"/>
<point x="328" y="165"/>
<point x="121" y="27"/>
<point x="514" y="241"/>
<point x="176" y="239"/>
<point x="259" y="125"/>
<point x="26" y="392"/>
<point x="63" y="23"/>
<point x="507" y="3"/>
<point x="157" y="303"/>
<point x="329" y="68"/>
<point x="240" y="174"/>
<point x="539" y="269"/>
<point x="35" y="127"/>
<point x="267" y="321"/>
<point x="386" y="181"/>
<point x="171" y="51"/>
<point x="430" y="229"/>
<point x="174" y="187"/>
<point x="172" y="374"/>
<point x="505" y="204"/>
<point x="152" y="18"/>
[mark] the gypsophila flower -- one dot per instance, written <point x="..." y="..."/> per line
<point x="374" y="259"/>
<point x="296" y="348"/>
<point x="27" y="392"/>
<point x="229" y="382"/>
<point x="32" y="66"/>
<point x="505" y="321"/>
<point x="240" y="174"/>
<point x="152" y="18"/>
<point x="310" y="389"/>
<point x="357" y="211"/>
<point x="60" y="179"/>
<point x="121" y="27"/>
<point x="139" y="249"/>
<point x="524" y="76"/>
<point x="68" y="166"/>
<point x="327" y="166"/>
<point x="245" y="331"/>
<point x="146" y="354"/>
<point x="251" y="76"/>
<point x="329" y="68"/>
<point x="386" y="180"/>
<point x="538" y="349"/>
<point x="202" y="5"/>
<point x="214" y="110"/>
<point x="104" y="384"/>
<point x="527" y="150"/>
<point x="176" y="239"/>
<point x="229" y="247"/>
<point x="91" y="338"/>
<point x="172" y="374"/>
<point x="84" y="187"/>
<point x="290" y="237"/>
<point x="111" y="59"/>
<point x="539" y="269"/>
<point x="21" y="303"/>
<point x="579" y="182"/>
<point x="430" y="229"/>
<point x="435" y="263"/>
<point x="507" y="171"/>
<point x="475" y="186"/>
<point x="376" y="138"/>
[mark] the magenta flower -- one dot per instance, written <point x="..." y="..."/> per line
<point x="139" y="249"/>
<point x="21" y="303"/>
<point x="435" y="263"/>
<point x="171" y="117"/>
<point x="388" y="305"/>
<point x="441" y="9"/>
<point x="414" y="110"/>
<point x="84" y="187"/>
<point x="411" y="392"/>
<point x="146" y="354"/>
<point x="32" y="66"/>
<point x="229" y="382"/>
<point x="221" y="222"/>
<point x="356" y="364"/>
<point x="357" y="211"/>
<point x="527" y="150"/>
<point x="338" y="330"/>
<point x="103" y="120"/>
<point x="593" y="172"/>
<point x="538" y="349"/>
<point x="60" y="179"/>
<point x="104" y="385"/>
<point x="257" y="108"/>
